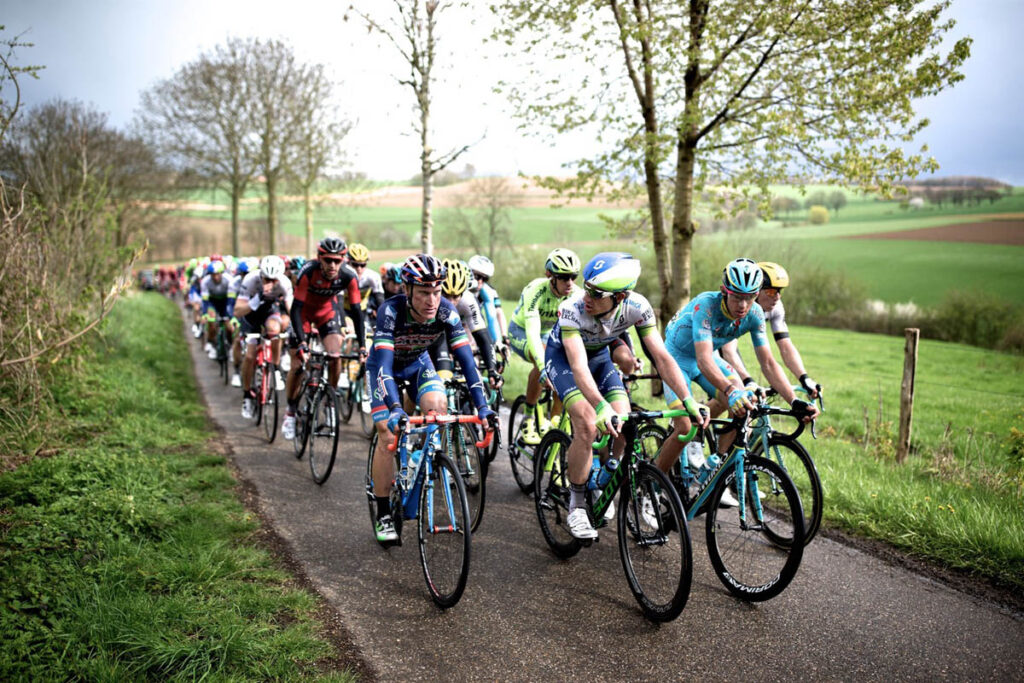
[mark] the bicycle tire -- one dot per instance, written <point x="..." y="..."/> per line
<point x="302" y="419"/>
<point x="551" y="494"/>
<point x="365" y="416"/>
<point x="222" y="353"/>
<point x="650" y="436"/>
<point x="345" y="404"/>
<point x="656" y="557"/>
<point x="735" y="547"/>
<point x="520" y="455"/>
<point x="257" y="381"/>
<point x="323" y="434"/>
<point x="466" y="456"/>
<point x="798" y="464"/>
<point x="269" y="396"/>
<point x="443" y="531"/>
<point x="395" y="493"/>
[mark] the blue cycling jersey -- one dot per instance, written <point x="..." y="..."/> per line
<point x="489" y="303"/>
<point x="705" y="318"/>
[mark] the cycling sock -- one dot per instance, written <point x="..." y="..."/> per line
<point x="577" y="496"/>
<point x="383" y="506"/>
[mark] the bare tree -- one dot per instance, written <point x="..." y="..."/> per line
<point x="481" y="216"/>
<point x="318" y="144"/>
<point x="199" y="120"/>
<point x="412" y="33"/>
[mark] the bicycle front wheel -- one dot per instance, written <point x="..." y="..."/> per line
<point x="654" y="543"/>
<point x="444" y="534"/>
<point x="743" y="542"/>
<point x="519" y="452"/>
<point x="302" y="416"/>
<point x="257" y="381"/>
<point x="650" y="437"/>
<point x="551" y="493"/>
<point x="458" y="442"/>
<point x="323" y="434"/>
<point x="268" y="399"/>
<point x="346" y="401"/>
<point x="799" y="465"/>
<point x="395" y="494"/>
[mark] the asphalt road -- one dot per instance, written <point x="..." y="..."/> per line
<point x="526" y="615"/>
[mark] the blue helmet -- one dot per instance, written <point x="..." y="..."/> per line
<point x="612" y="271"/>
<point x="242" y="268"/>
<point x="742" y="276"/>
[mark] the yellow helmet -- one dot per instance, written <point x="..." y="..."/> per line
<point x="358" y="253"/>
<point x="775" y="276"/>
<point x="457" y="278"/>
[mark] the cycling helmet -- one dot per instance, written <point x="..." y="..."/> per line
<point x="775" y="276"/>
<point x="332" y="245"/>
<point x="216" y="267"/>
<point x="563" y="262"/>
<point x="423" y="269"/>
<point x="272" y="267"/>
<point x="216" y="257"/>
<point x="611" y="271"/>
<point x="457" y="278"/>
<point x="481" y="265"/>
<point x="394" y="274"/>
<point x="359" y="253"/>
<point x="742" y="276"/>
<point x="242" y="268"/>
<point x="296" y="263"/>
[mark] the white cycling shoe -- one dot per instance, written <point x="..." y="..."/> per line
<point x="288" y="427"/>
<point x="580" y="526"/>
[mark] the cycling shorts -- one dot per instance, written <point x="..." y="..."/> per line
<point x="602" y="369"/>
<point x="327" y="322"/>
<point x="220" y="306"/>
<point x="420" y="373"/>
<point x="691" y="373"/>
<point x="254" y="321"/>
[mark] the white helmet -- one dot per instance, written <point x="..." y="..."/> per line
<point x="272" y="267"/>
<point x="482" y="265"/>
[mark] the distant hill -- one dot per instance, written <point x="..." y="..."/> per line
<point x="957" y="181"/>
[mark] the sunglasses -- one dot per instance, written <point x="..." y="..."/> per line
<point x="331" y="261"/>
<point x="567" y="278"/>
<point x="482" y="278"/>
<point x="357" y="265"/>
<point x="597" y="293"/>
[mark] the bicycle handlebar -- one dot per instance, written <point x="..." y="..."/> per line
<point x="436" y="418"/>
<point x="650" y="415"/>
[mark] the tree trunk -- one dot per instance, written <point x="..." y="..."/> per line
<point x="683" y="227"/>
<point x="236" y="195"/>
<point x="272" y="213"/>
<point x="427" y="221"/>
<point x="309" y="222"/>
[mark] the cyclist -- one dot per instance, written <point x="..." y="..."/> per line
<point x="215" y="292"/>
<point x="531" y="323"/>
<point x="392" y="281"/>
<point x="490" y="303"/>
<point x="770" y="300"/>
<point x="320" y="288"/>
<point x="708" y="322"/>
<point x="406" y="326"/>
<point x="370" y="286"/>
<point x="456" y="290"/>
<point x="579" y="365"/>
<point x="194" y="275"/>
<point x="262" y="297"/>
<point x="241" y="270"/>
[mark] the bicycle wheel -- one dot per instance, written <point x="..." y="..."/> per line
<point x="345" y="399"/>
<point x="458" y="442"/>
<point x="551" y="493"/>
<point x="268" y="397"/>
<point x="257" y="381"/>
<point x="519" y="453"/>
<point x="654" y="543"/>
<point x="323" y="433"/>
<point x="302" y="418"/>
<point x="799" y="465"/>
<point x="365" y="417"/>
<point x="443" y="530"/>
<point x="395" y="493"/>
<point x="748" y="562"/>
<point x="650" y="437"/>
<point x="222" y="353"/>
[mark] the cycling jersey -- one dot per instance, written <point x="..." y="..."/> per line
<point x="370" y="288"/>
<point x="252" y="284"/>
<point x="401" y="342"/>
<point x="469" y="310"/>
<point x="533" y="319"/>
<point x="705" y="318"/>
<point x="217" y="295"/>
<point x="777" y="319"/>
<point x="317" y="299"/>
<point x="490" y="302"/>
<point x="596" y="333"/>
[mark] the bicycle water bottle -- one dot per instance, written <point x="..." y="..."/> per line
<point x="595" y="470"/>
<point x="709" y="466"/>
<point x="604" y="475"/>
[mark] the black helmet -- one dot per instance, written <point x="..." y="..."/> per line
<point x="332" y="245"/>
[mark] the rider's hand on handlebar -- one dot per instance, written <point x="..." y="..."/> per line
<point x="697" y="412"/>
<point x="812" y="388"/>
<point x="739" y="402"/>
<point x="396" y="417"/>
<point x="809" y="410"/>
<point x="607" y="420"/>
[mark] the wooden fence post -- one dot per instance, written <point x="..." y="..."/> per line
<point x="907" y="392"/>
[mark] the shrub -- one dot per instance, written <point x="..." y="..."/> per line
<point x="817" y="215"/>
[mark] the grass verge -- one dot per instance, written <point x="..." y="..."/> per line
<point x="127" y="554"/>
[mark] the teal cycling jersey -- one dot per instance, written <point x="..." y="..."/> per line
<point x="705" y="319"/>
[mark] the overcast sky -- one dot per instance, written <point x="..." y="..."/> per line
<point x="105" y="52"/>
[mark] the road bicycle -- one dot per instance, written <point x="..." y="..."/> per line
<point x="265" y="380"/>
<point x="468" y="459"/>
<point x="316" y="420"/>
<point x="428" y="488"/>
<point x="520" y="453"/>
<point x="222" y="345"/>
<point x="756" y="547"/>
<point x="353" y="393"/>
<point x="654" y="538"/>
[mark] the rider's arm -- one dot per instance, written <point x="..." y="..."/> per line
<point x="382" y="355"/>
<point x="704" y="351"/>
<point x="667" y="367"/>
<point x="204" y="290"/>
<point x="458" y="344"/>
<point x="576" y="353"/>
<point x="533" y="338"/>
<point x="731" y="355"/>
<point x="355" y="311"/>
<point x="790" y="356"/>
<point x="483" y="344"/>
<point x="773" y="373"/>
<point x="295" y="312"/>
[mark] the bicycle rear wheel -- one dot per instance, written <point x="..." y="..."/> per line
<point x="323" y="434"/>
<point x="268" y="398"/>
<point x="395" y="494"/>
<point x="748" y="561"/>
<point x="346" y="402"/>
<point x="799" y="465"/>
<point x="520" y="454"/>
<point x="551" y="493"/>
<point x="458" y="442"/>
<point x="654" y="543"/>
<point x="302" y="416"/>
<point x="443" y="529"/>
<point x="257" y="381"/>
<point x="365" y="417"/>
